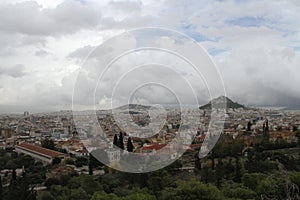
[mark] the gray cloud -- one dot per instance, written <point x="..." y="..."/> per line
<point x="29" y="18"/>
<point x="259" y="63"/>
<point x="82" y="53"/>
<point x="41" y="53"/>
<point x="126" y="7"/>
<point x="15" y="71"/>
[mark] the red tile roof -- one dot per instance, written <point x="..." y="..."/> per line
<point x="40" y="150"/>
<point x="154" y="146"/>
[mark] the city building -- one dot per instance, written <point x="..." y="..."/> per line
<point x="39" y="153"/>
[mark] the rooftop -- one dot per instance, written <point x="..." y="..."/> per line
<point x="40" y="150"/>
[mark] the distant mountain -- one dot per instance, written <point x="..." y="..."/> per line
<point x="220" y="102"/>
<point x="133" y="107"/>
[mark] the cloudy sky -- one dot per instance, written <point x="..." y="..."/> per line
<point x="43" y="44"/>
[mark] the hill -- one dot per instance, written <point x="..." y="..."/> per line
<point x="220" y="102"/>
<point x="134" y="107"/>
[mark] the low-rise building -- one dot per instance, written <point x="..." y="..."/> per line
<point x="39" y="153"/>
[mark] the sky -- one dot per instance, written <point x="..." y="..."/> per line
<point x="44" y="46"/>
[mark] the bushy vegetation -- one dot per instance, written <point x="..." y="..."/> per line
<point x="226" y="173"/>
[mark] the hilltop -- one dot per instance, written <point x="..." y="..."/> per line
<point x="133" y="107"/>
<point x="220" y="102"/>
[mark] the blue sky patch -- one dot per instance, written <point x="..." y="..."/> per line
<point x="215" y="51"/>
<point x="247" y="21"/>
<point x="190" y="31"/>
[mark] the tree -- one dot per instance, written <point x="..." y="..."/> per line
<point x="81" y="161"/>
<point x="48" y="143"/>
<point x="77" y="194"/>
<point x="51" y="181"/>
<point x="0" y="187"/>
<point x="69" y="161"/>
<point x="207" y="175"/>
<point x="104" y="196"/>
<point x="94" y="162"/>
<point x="219" y="172"/>
<point x="295" y="128"/>
<point x="138" y="196"/>
<point x="56" y="161"/>
<point x="197" y="161"/>
<point x="11" y="164"/>
<point x="45" y="195"/>
<point x="130" y="146"/>
<point x="116" y="142"/>
<point x="237" y="191"/>
<point x="193" y="190"/>
<point x="251" y="180"/>
<point x="14" y="175"/>
<point x="238" y="173"/>
<point x="121" y="142"/>
<point x="267" y="126"/>
<point x="26" y="161"/>
<point x="157" y="181"/>
<point x="249" y="126"/>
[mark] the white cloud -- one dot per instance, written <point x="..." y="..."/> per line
<point x="30" y="18"/>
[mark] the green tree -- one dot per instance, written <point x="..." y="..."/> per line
<point x="249" y="126"/>
<point x="219" y="172"/>
<point x="295" y="178"/>
<point x="78" y="194"/>
<point x="237" y="191"/>
<point x="130" y="146"/>
<point x="56" y="161"/>
<point x="11" y="164"/>
<point x="86" y="182"/>
<point x="116" y="141"/>
<point x="268" y="188"/>
<point x="207" y="175"/>
<point x="51" y="181"/>
<point x="157" y="181"/>
<point x="121" y="142"/>
<point x="14" y="175"/>
<point x="238" y="173"/>
<point x="45" y="195"/>
<point x="48" y="143"/>
<point x="69" y="161"/>
<point x="0" y="187"/>
<point x="93" y="163"/>
<point x="252" y="180"/>
<point x="104" y="196"/>
<point x="25" y="160"/>
<point x="191" y="190"/>
<point x="139" y="196"/>
<point x="81" y="161"/>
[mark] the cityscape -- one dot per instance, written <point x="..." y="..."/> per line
<point x="54" y="143"/>
<point x="149" y="100"/>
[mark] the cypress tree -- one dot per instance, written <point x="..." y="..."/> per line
<point x="14" y="175"/>
<point x="238" y="173"/>
<point x="249" y="126"/>
<point x="121" y="143"/>
<point x="130" y="146"/>
<point x="116" y="142"/>
<point x="219" y="172"/>
<point x="91" y="172"/>
<point x="267" y="126"/>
